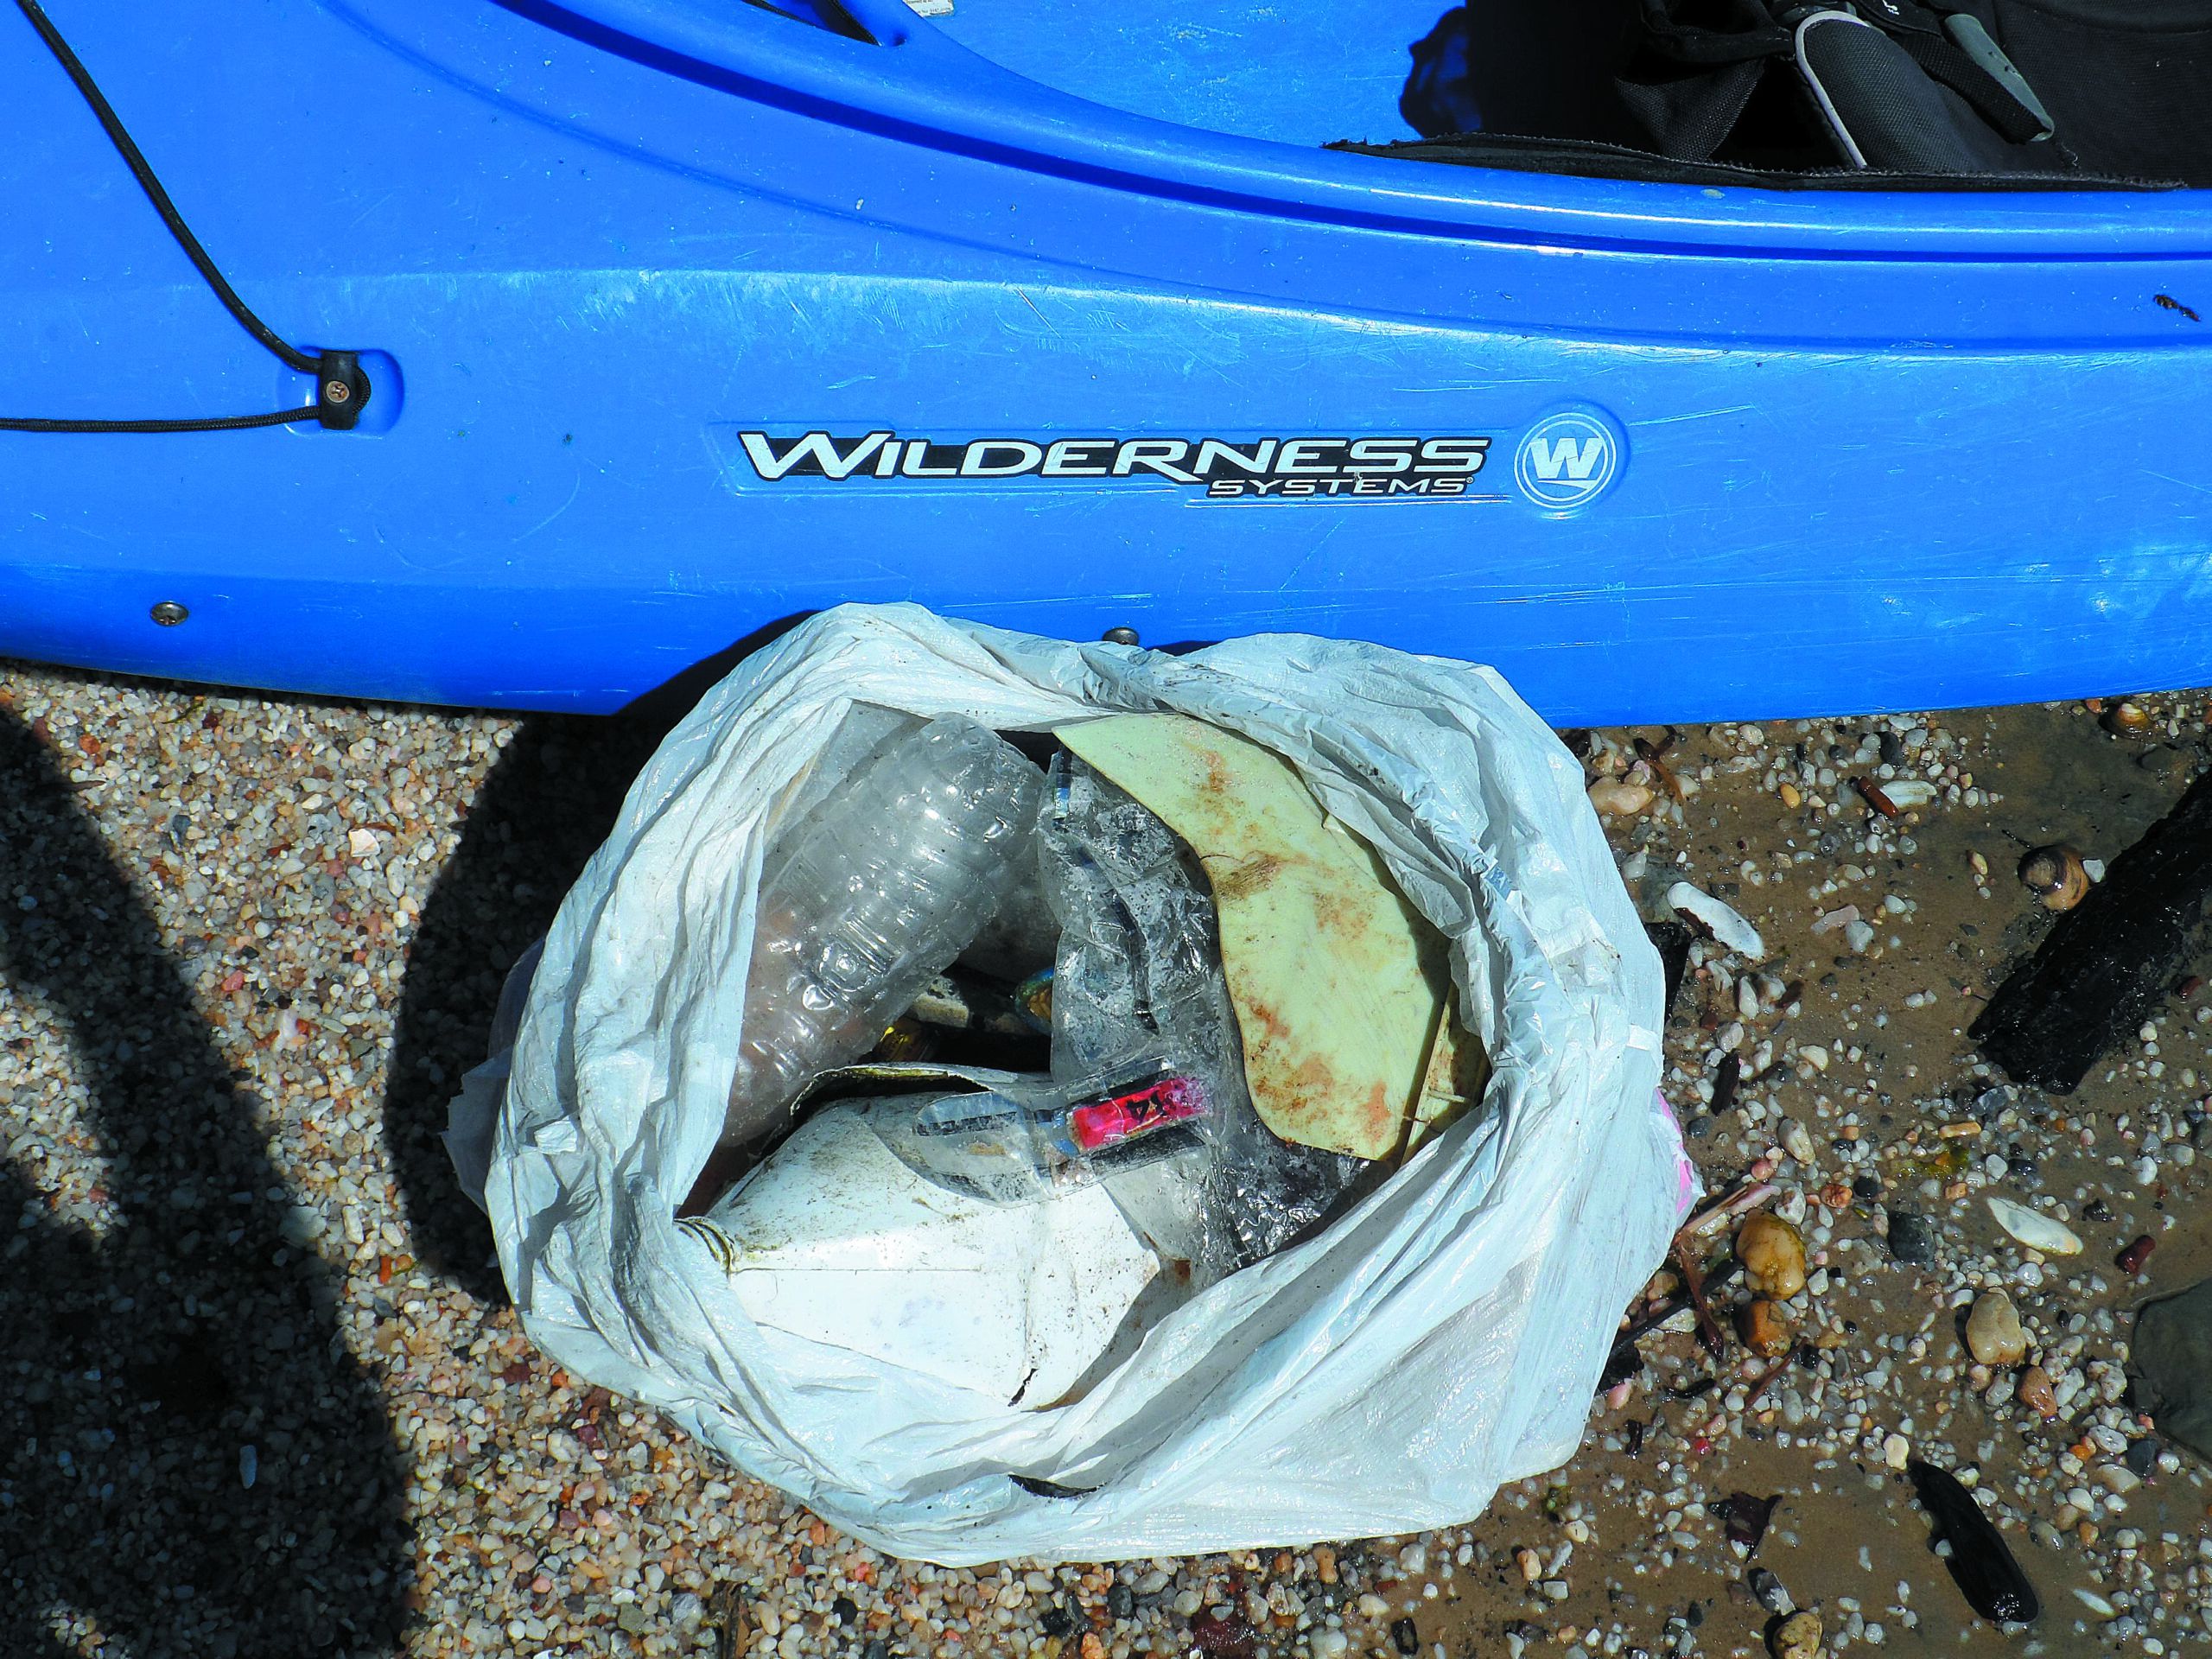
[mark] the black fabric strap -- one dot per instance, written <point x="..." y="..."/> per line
<point x="1942" y="60"/>
<point x="340" y="386"/>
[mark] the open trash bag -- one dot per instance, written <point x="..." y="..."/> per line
<point x="1442" y="1337"/>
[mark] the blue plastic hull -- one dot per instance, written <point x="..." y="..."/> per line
<point x="1824" y="453"/>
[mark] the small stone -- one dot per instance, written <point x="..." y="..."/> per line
<point x="1372" y="1606"/>
<point x="1120" y="1601"/>
<point x="1796" y="1141"/>
<point x="1764" y="1327"/>
<point x="1856" y="937"/>
<point x="1325" y="1643"/>
<point x="1531" y="1564"/>
<point x="2036" y="1394"/>
<point x="1797" y="1636"/>
<point x="1912" y="1239"/>
<point x="1993" y="1330"/>
<point x="1896" y="1451"/>
<point x="1773" y="1255"/>
<point x="1615" y="799"/>
<point x="1405" y="1637"/>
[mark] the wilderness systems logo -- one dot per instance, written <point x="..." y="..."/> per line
<point x="1567" y="461"/>
<point x="1219" y="469"/>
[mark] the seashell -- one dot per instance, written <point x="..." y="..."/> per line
<point x="2055" y="876"/>
<point x="2127" y="718"/>
<point x="1618" y="800"/>
<point x="2034" y="1229"/>
<point x="1723" y="922"/>
<point x="1909" y="792"/>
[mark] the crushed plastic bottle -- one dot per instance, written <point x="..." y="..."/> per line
<point x="1139" y="977"/>
<point x="879" y="886"/>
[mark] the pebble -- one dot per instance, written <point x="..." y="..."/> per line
<point x="1993" y="1330"/>
<point x="1797" y="1636"/>
<point x="1912" y="1239"/>
<point x="1764" y="1327"/>
<point x="1616" y="799"/>
<point x="1773" y="1255"/>
<point x="2035" y="1392"/>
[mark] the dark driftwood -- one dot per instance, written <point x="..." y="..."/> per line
<point x="2110" y="960"/>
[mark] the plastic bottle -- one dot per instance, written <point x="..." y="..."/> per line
<point x="1030" y="1139"/>
<point x="880" y="886"/>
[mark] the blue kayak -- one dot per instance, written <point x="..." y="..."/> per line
<point x="676" y="318"/>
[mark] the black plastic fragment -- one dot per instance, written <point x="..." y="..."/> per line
<point x="1744" y="1517"/>
<point x="1041" y="1488"/>
<point x="2111" y="959"/>
<point x="1980" y="1562"/>
<point x="1673" y="940"/>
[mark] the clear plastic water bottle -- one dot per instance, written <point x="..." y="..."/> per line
<point x="880" y="886"/>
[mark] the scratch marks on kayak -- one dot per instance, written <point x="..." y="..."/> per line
<point x="575" y="488"/>
<point x="1040" y="315"/>
<point x="1290" y="577"/>
<point x="1694" y="415"/>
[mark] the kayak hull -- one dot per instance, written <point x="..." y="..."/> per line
<point x="632" y="306"/>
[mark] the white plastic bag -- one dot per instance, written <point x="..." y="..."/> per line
<point x="1443" y="1336"/>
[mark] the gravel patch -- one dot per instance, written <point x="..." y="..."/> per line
<point x="264" y="1392"/>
